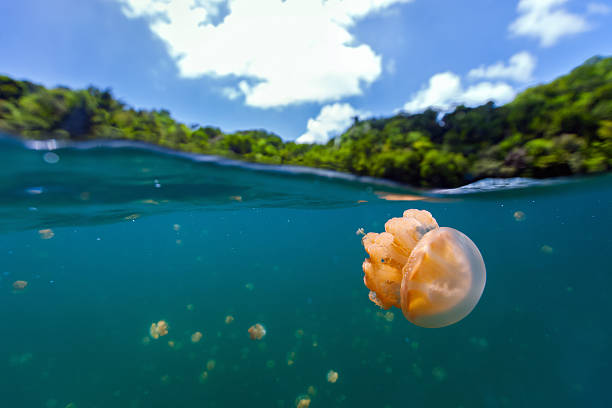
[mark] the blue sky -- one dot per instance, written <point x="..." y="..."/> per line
<point x="300" y="68"/>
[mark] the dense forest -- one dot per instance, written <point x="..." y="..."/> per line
<point x="556" y="129"/>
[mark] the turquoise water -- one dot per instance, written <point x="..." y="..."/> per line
<point x="139" y="236"/>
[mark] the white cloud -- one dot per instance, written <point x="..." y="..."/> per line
<point x="287" y="52"/>
<point x="546" y="20"/>
<point x="598" y="8"/>
<point x="445" y="91"/>
<point x="332" y="120"/>
<point x="231" y="93"/>
<point x="519" y="68"/>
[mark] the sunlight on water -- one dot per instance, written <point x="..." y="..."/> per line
<point x="131" y="278"/>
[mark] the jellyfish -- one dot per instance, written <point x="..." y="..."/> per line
<point x="332" y="376"/>
<point x="229" y="319"/>
<point x="20" y="285"/>
<point x="158" y="329"/>
<point x="46" y="233"/>
<point x="436" y="275"/>
<point x="257" y="331"/>
<point x="210" y="365"/>
<point x="303" y="401"/>
<point x="196" y="337"/>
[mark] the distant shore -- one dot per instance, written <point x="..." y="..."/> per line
<point x="558" y="129"/>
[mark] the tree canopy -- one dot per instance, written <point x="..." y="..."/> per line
<point x="556" y="129"/>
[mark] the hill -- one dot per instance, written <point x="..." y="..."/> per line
<point x="557" y="129"/>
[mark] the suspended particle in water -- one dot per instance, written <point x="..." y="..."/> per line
<point x="249" y="286"/>
<point x="303" y="401"/>
<point x="519" y="216"/>
<point x="270" y="364"/>
<point x="332" y="376"/>
<point x="71" y="405"/>
<point x="46" y="233"/>
<point x="236" y="198"/>
<point x="158" y="329"/>
<point x="196" y="337"/>
<point x="299" y="333"/>
<point x="360" y="231"/>
<point x="210" y="365"/>
<point x="176" y="227"/>
<point x="51" y="403"/>
<point x="146" y="340"/>
<point x="312" y="390"/>
<point x="51" y="158"/>
<point x="439" y="373"/>
<point x="20" y="285"/>
<point x="131" y="217"/>
<point x="171" y="343"/>
<point x="85" y="196"/>
<point x="190" y="307"/>
<point x="257" y="332"/>
<point x="546" y="249"/>
<point x="420" y="259"/>
<point x="229" y="319"/>
<point x="203" y="377"/>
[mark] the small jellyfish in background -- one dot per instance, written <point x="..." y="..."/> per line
<point x="519" y="216"/>
<point x="158" y="329"/>
<point x="210" y="365"/>
<point x="547" y="249"/>
<point x="196" y="337"/>
<point x="229" y="319"/>
<point x="436" y="275"/>
<point x="46" y="233"/>
<point x="303" y="401"/>
<point x="20" y="285"/>
<point x="257" y="331"/>
<point x="332" y="376"/>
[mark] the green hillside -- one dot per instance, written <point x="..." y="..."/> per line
<point x="558" y="129"/>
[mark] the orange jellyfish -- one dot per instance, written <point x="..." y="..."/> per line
<point x="158" y="329"/>
<point x="20" y="285"/>
<point x="257" y="331"/>
<point x="303" y="401"/>
<point x="196" y="337"/>
<point x="332" y="376"/>
<point x="436" y="275"/>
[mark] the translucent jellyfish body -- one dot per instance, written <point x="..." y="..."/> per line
<point x="256" y="332"/>
<point x="20" y="285"/>
<point x="158" y="329"/>
<point x="436" y="275"/>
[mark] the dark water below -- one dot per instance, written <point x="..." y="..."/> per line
<point x="139" y="236"/>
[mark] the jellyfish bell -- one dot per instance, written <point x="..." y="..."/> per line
<point x="436" y="275"/>
<point x="443" y="279"/>
<point x="257" y="332"/>
<point x="158" y="329"/>
<point x="20" y="285"/>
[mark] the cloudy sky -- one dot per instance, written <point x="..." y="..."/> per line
<point x="300" y="68"/>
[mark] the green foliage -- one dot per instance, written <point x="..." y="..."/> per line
<point x="560" y="128"/>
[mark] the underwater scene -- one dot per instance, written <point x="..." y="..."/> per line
<point x="132" y="277"/>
